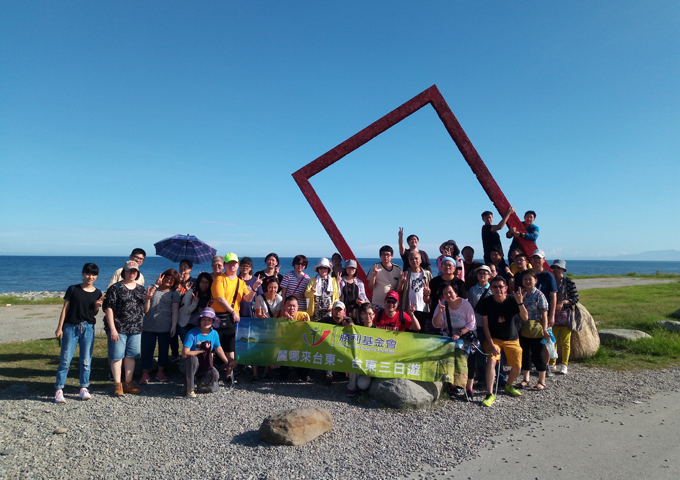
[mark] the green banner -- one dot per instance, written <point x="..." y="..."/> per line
<point x="368" y="351"/>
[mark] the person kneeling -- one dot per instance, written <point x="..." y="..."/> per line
<point x="197" y="359"/>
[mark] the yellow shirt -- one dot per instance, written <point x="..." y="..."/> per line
<point x="224" y="287"/>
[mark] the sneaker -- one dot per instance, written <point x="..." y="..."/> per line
<point x="549" y="373"/>
<point x="552" y="368"/>
<point x="59" y="397"/>
<point x="513" y="391"/>
<point x="118" y="390"/>
<point x="255" y="379"/>
<point x="489" y="400"/>
<point x="328" y="379"/>
<point x="351" y="393"/>
<point x="160" y="376"/>
<point x="456" y="392"/>
<point x="191" y="393"/>
<point x="85" y="394"/>
<point x="564" y="370"/>
<point x="469" y="394"/>
<point x="130" y="388"/>
<point x="145" y="379"/>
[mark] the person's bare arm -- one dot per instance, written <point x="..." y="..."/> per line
<point x="59" y="332"/>
<point x="487" y="332"/>
<point x="187" y="352"/>
<point x="544" y="324"/>
<point x="551" y="312"/>
<point x="402" y="249"/>
<point x="504" y="220"/>
<point x="437" y="318"/>
<point x="112" y="325"/>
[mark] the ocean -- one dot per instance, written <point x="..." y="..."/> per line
<point x="43" y="273"/>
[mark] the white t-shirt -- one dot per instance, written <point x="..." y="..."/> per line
<point x="386" y="281"/>
<point x="274" y="306"/>
<point x="415" y="291"/>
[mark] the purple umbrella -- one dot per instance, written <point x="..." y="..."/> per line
<point x="179" y="247"/>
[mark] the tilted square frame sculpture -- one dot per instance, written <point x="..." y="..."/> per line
<point x="434" y="97"/>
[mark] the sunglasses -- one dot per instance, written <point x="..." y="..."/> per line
<point x="391" y="300"/>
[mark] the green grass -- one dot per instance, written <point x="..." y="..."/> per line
<point x="657" y="275"/>
<point x="34" y="363"/>
<point x="638" y="308"/>
<point x="11" y="299"/>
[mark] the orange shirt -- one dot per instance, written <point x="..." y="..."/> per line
<point x="224" y="287"/>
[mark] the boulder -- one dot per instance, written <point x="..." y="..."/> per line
<point x="676" y="314"/>
<point x="296" y="426"/>
<point x="621" y="334"/>
<point x="433" y="388"/>
<point x="671" y="325"/>
<point x="400" y="393"/>
<point x="586" y="342"/>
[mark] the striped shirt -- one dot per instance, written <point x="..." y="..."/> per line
<point x="295" y="285"/>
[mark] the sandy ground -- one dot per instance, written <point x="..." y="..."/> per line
<point x="32" y="322"/>
<point x="636" y="441"/>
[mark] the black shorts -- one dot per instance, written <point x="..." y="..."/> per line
<point x="227" y="340"/>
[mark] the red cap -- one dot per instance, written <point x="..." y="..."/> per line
<point x="392" y="294"/>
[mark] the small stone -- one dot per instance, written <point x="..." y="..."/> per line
<point x="7" y="451"/>
<point x="60" y="431"/>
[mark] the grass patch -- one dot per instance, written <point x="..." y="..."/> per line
<point x="11" y="299"/>
<point x="638" y="308"/>
<point x="34" y="363"/>
<point x="657" y="275"/>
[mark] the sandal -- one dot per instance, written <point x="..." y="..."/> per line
<point x="522" y="384"/>
<point x="539" y="387"/>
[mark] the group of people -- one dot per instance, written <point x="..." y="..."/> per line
<point x="489" y="308"/>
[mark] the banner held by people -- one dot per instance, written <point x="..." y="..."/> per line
<point x="368" y="351"/>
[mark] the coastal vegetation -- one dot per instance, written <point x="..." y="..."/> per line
<point x="13" y="300"/>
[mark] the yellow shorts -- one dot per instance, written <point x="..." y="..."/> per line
<point x="511" y="348"/>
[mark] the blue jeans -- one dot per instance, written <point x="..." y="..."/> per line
<point x="182" y="332"/>
<point x="81" y="334"/>
<point x="149" y="345"/>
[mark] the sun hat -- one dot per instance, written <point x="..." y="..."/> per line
<point x="450" y="259"/>
<point x="456" y="250"/>
<point x="208" y="312"/>
<point x="483" y="268"/>
<point x="392" y="294"/>
<point x="559" y="264"/>
<point x="230" y="257"/>
<point x="130" y="265"/>
<point x="323" y="262"/>
<point x="338" y="304"/>
<point x="351" y="264"/>
<point x="538" y="253"/>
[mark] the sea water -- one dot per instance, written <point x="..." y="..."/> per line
<point x="44" y="273"/>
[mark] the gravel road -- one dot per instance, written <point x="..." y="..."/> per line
<point x="161" y="434"/>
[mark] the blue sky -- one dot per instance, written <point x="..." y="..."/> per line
<point x="123" y="123"/>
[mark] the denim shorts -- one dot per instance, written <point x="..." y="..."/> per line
<point x="128" y="345"/>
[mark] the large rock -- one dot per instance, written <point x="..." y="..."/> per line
<point x="671" y="325"/>
<point x="296" y="426"/>
<point x="433" y="388"/>
<point x="585" y="342"/>
<point x="676" y="314"/>
<point x="400" y="393"/>
<point x="621" y="334"/>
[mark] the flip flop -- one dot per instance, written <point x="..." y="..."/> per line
<point x="539" y="387"/>
<point x="522" y="384"/>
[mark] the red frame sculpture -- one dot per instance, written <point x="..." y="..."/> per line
<point x="430" y="96"/>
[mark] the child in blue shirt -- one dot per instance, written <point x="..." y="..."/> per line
<point x="197" y="359"/>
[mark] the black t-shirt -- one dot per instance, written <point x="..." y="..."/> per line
<point x="437" y="285"/>
<point x="500" y="317"/>
<point x="81" y="305"/>
<point x="424" y="264"/>
<point x="471" y="275"/>
<point x="490" y="241"/>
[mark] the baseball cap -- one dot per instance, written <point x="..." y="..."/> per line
<point x="351" y="264"/>
<point x="338" y="304"/>
<point x="483" y="268"/>
<point x="392" y="294"/>
<point x="130" y="265"/>
<point x="230" y="257"/>
<point x="538" y="253"/>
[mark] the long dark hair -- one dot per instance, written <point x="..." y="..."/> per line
<point x="203" y="297"/>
